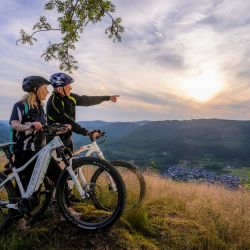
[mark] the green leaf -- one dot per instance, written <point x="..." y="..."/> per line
<point x="73" y="17"/>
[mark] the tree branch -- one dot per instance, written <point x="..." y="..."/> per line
<point x="31" y="36"/>
<point x="74" y="16"/>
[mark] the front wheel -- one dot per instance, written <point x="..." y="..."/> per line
<point x="82" y="212"/>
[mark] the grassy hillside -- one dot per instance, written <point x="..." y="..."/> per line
<point x="174" y="216"/>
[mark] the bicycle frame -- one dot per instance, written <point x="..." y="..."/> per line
<point x="90" y="148"/>
<point x="40" y="169"/>
<point x="93" y="148"/>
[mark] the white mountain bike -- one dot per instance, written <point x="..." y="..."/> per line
<point x="132" y="176"/>
<point x="84" y="190"/>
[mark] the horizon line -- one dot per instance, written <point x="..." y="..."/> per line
<point x="137" y="121"/>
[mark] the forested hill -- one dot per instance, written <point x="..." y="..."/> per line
<point x="170" y="142"/>
<point x="4" y="131"/>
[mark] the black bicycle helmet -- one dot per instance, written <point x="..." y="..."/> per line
<point x="31" y="83"/>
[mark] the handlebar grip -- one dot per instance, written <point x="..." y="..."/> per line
<point x="98" y="131"/>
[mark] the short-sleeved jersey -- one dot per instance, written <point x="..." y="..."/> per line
<point x="28" y="140"/>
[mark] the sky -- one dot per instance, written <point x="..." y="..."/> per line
<point x="178" y="59"/>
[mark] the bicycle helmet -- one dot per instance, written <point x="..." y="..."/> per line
<point x="31" y="83"/>
<point x="60" y="80"/>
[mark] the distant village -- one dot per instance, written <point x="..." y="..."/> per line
<point x="180" y="173"/>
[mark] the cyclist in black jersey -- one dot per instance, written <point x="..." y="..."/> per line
<point x="62" y="104"/>
<point x="27" y="119"/>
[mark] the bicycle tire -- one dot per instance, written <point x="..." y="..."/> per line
<point x="138" y="175"/>
<point x="140" y="179"/>
<point x="9" y="191"/>
<point x="85" y="207"/>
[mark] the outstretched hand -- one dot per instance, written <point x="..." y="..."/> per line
<point x="113" y="98"/>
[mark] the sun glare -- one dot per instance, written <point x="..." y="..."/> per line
<point x="204" y="86"/>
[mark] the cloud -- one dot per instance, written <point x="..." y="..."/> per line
<point x="164" y="44"/>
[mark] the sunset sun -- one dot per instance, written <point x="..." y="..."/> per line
<point x="203" y="87"/>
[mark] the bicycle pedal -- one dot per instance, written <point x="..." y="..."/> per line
<point x="23" y="207"/>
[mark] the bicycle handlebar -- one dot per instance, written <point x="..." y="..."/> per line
<point x="58" y="128"/>
<point x="55" y="129"/>
<point x="101" y="134"/>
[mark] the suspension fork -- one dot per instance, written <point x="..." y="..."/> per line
<point x="73" y="176"/>
<point x="100" y="155"/>
<point x="68" y="164"/>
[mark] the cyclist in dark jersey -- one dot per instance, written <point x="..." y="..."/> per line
<point x="26" y="120"/>
<point x="62" y="104"/>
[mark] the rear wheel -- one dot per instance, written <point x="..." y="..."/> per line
<point x="134" y="182"/>
<point x="82" y="212"/>
<point x="7" y="196"/>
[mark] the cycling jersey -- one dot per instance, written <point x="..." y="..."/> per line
<point x="29" y="140"/>
<point x="61" y="109"/>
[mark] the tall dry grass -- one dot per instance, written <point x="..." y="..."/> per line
<point x="221" y="213"/>
<point x="175" y="215"/>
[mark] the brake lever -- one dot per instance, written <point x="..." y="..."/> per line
<point x="102" y="134"/>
